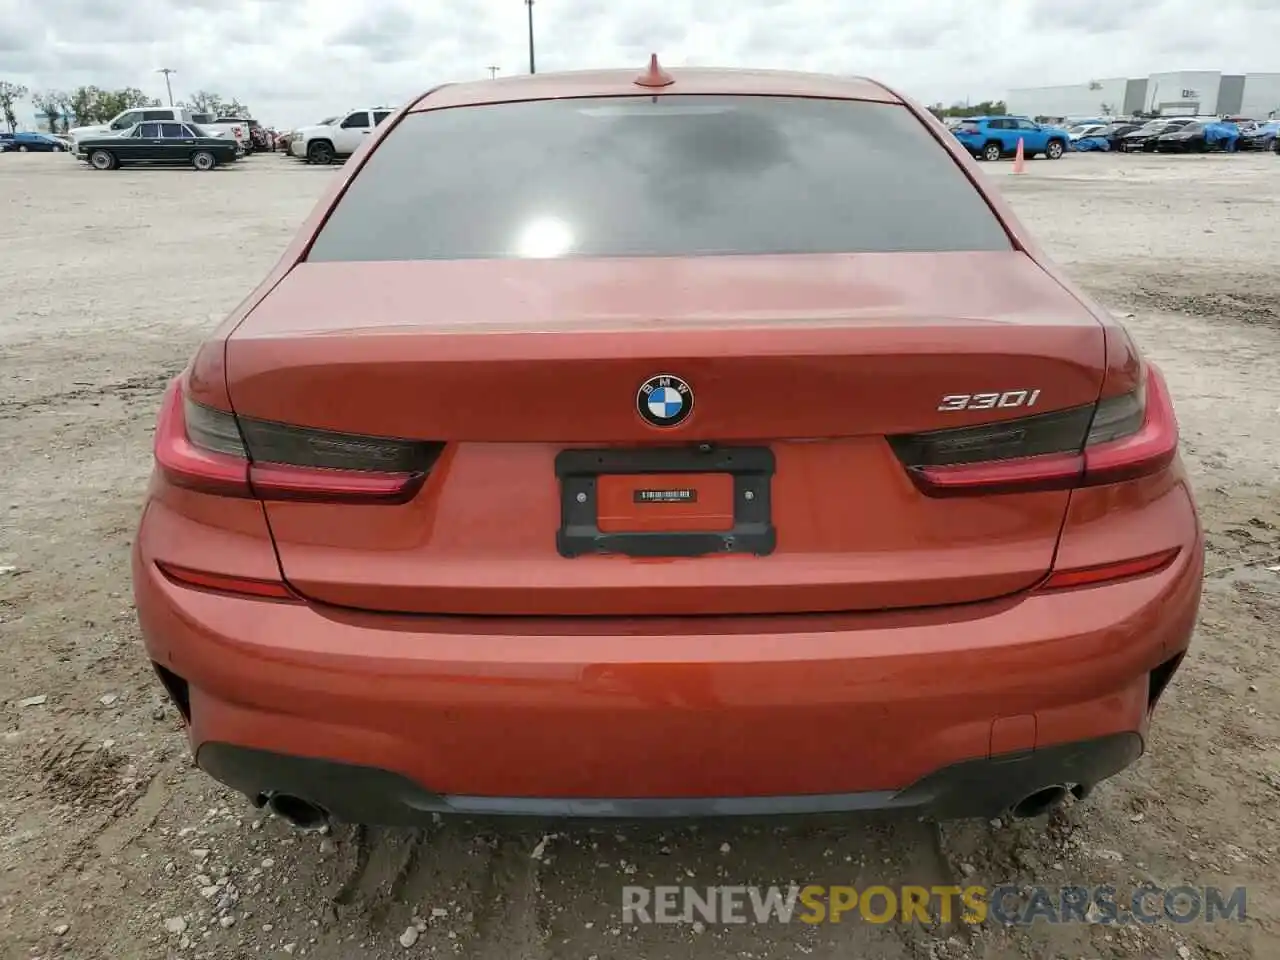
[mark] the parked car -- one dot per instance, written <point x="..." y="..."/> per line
<point x="125" y="121"/>
<point x="990" y="138"/>
<point x="1143" y="140"/>
<point x="31" y="143"/>
<point x="1261" y="137"/>
<point x="1088" y="144"/>
<point x="1113" y="132"/>
<point x="233" y="130"/>
<point x="370" y="600"/>
<point x="1084" y="130"/>
<point x="260" y="138"/>
<point x="1197" y="138"/>
<point x="245" y="127"/>
<point x="287" y="138"/>
<point x="339" y="138"/>
<point x="159" y="144"/>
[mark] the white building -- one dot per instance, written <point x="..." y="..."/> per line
<point x="1092" y="99"/>
<point x="1178" y="93"/>
<point x="1261" y="96"/>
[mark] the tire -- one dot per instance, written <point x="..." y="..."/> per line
<point x="22" y="148"/>
<point x="992" y="151"/>
<point x="103" y="160"/>
<point x="1054" y="150"/>
<point x="321" y="152"/>
<point x="203" y="160"/>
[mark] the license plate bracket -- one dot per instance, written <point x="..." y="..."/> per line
<point x="750" y="468"/>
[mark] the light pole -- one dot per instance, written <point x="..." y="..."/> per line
<point x="493" y="72"/>
<point x="166" y="71"/>
<point x="529" y="4"/>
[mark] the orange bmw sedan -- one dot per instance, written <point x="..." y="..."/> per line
<point x="681" y="443"/>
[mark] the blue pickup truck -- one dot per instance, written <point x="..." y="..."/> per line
<point x="990" y="138"/>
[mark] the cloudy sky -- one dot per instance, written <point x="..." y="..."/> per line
<point x="295" y="61"/>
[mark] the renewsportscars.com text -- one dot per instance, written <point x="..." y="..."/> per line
<point x="1017" y="905"/>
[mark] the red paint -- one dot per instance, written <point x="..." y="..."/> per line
<point x="654" y="76"/>
<point x="891" y="632"/>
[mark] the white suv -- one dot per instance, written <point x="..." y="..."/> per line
<point x="325" y="143"/>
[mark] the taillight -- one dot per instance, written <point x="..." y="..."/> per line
<point x="213" y="451"/>
<point x="1118" y="438"/>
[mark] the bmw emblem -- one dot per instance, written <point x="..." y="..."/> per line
<point x="664" y="400"/>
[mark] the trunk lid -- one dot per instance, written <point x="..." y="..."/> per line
<point x="812" y="359"/>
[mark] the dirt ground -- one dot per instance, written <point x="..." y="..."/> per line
<point x="113" y="846"/>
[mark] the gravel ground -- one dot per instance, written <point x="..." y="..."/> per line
<point x="113" y="846"/>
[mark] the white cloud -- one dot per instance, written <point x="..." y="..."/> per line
<point x="293" y="61"/>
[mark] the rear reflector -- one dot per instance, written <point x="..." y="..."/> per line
<point x="222" y="583"/>
<point x="213" y="451"/>
<point x="1108" y="572"/>
<point x="1119" y="438"/>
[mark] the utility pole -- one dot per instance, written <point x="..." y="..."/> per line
<point x="529" y="4"/>
<point x="166" y="71"/>
<point x="493" y="72"/>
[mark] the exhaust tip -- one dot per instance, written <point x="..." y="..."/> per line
<point x="302" y="814"/>
<point x="1042" y="801"/>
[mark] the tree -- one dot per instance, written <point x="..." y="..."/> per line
<point x="112" y="102"/>
<point x="10" y="93"/>
<point x="83" y="105"/>
<point x="202" y="101"/>
<point x="95" y="105"/>
<point x="985" y="108"/>
<point x="55" y="105"/>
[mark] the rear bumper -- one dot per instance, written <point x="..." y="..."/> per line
<point x="956" y="709"/>
<point x="973" y="788"/>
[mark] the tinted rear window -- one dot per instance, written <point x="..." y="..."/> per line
<point x="664" y="176"/>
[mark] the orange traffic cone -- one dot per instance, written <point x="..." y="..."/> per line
<point x="1019" y="160"/>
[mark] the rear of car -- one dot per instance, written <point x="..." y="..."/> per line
<point x="657" y="468"/>
<point x="239" y="128"/>
<point x="973" y="134"/>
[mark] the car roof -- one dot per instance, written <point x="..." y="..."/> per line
<point x="621" y="83"/>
